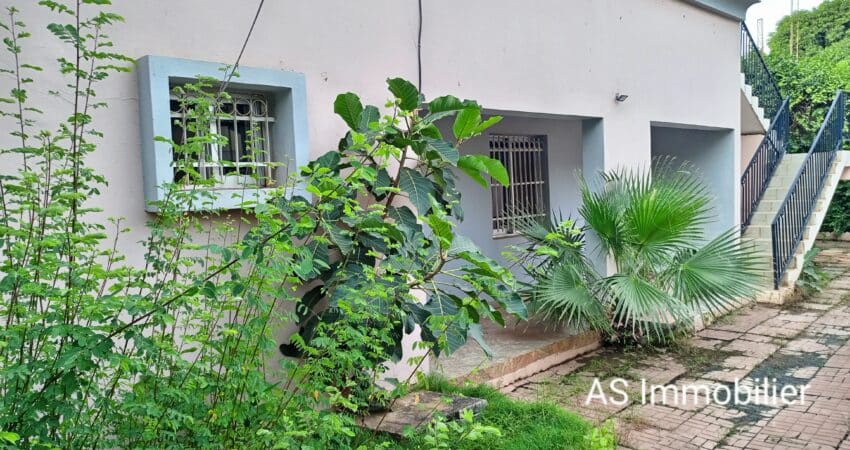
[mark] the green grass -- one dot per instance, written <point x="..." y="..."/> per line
<point x="524" y="425"/>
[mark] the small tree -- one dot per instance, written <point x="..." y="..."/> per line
<point x="180" y="353"/>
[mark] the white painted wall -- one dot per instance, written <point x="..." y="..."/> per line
<point x="677" y="62"/>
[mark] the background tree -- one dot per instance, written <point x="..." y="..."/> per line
<point x="810" y="58"/>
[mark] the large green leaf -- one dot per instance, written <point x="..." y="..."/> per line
<point x="445" y="150"/>
<point x="442" y="229"/>
<point x="442" y="304"/>
<point x="370" y="115"/>
<point x="483" y="126"/>
<point x="466" y="122"/>
<point x="446" y="103"/>
<point x="406" y="92"/>
<point x="477" y="333"/>
<point x="403" y="216"/>
<point x="341" y="238"/>
<point x="348" y="107"/>
<point x="475" y="165"/>
<point x="462" y="244"/>
<point x="418" y="189"/>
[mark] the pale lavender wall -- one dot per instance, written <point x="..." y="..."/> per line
<point x="749" y="145"/>
<point x="677" y="62"/>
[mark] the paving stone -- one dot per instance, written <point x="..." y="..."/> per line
<point x="418" y="408"/>
<point x="808" y="345"/>
<point x="727" y="376"/>
<point x="710" y="344"/>
<point x="660" y="370"/>
<point x="751" y="348"/>
<point x="742" y="362"/>
<point x="718" y="334"/>
<point x="804" y="344"/>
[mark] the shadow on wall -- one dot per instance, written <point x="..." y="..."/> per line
<point x="712" y="153"/>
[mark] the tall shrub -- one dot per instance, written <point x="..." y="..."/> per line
<point x="179" y="353"/>
<point x="650" y="226"/>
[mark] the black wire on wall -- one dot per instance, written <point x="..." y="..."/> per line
<point x="419" y="49"/>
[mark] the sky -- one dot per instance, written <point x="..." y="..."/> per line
<point x="771" y="11"/>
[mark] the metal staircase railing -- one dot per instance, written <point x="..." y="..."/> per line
<point x="770" y="151"/>
<point x="796" y="209"/>
<point x="760" y="170"/>
<point x="758" y="76"/>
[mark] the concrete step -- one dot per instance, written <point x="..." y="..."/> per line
<point x="754" y="102"/>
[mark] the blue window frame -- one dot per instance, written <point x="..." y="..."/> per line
<point x="289" y="141"/>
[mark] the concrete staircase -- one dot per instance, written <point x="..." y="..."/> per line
<point x="753" y="115"/>
<point x="759" y="232"/>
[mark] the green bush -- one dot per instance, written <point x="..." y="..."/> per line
<point x="651" y="227"/>
<point x="179" y="353"/>
<point x="523" y="425"/>
<point x="810" y="68"/>
<point x="837" y="219"/>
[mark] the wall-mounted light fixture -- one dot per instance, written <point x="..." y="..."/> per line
<point x="620" y="97"/>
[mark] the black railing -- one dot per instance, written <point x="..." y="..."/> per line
<point x="790" y="222"/>
<point x="758" y="76"/>
<point x="758" y="173"/>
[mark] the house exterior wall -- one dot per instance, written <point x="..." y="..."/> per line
<point x="564" y="159"/>
<point x="711" y="153"/>
<point x="749" y="145"/>
<point x="676" y="61"/>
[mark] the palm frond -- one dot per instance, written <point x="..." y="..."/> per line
<point x="644" y="308"/>
<point x="668" y="210"/>
<point x="716" y="276"/>
<point x="570" y="294"/>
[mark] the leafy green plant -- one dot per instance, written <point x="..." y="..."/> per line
<point x="649" y="226"/>
<point x="837" y="220"/>
<point x="180" y="352"/>
<point x="391" y="246"/>
<point x="602" y="437"/>
<point x="812" y="278"/>
<point x="524" y="425"/>
<point x="810" y="63"/>
<point x="443" y="434"/>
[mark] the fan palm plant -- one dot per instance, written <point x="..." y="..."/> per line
<point x="650" y="228"/>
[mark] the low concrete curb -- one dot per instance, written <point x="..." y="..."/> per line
<point x="527" y="364"/>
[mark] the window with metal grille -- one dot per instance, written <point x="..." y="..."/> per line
<point x="526" y="197"/>
<point x="243" y="158"/>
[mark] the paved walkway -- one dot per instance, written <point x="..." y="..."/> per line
<point x="807" y="343"/>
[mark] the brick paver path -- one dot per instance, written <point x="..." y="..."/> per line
<point x="806" y="343"/>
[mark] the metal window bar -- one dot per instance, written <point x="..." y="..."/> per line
<point x="763" y="164"/>
<point x="796" y="209"/>
<point x="245" y="160"/>
<point x="525" y="198"/>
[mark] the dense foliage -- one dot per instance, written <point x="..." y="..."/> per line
<point x="650" y="226"/>
<point x="810" y="59"/>
<point x="180" y="353"/>
<point x="837" y="219"/>
<point x="539" y="425"/>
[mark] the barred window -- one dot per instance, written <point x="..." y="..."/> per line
<point x="243" y="159"/>
<point x="526" y="197"/>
